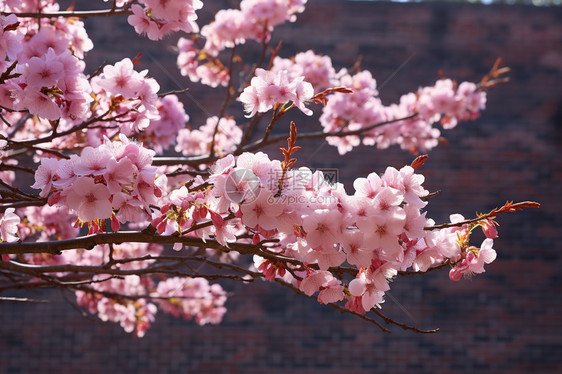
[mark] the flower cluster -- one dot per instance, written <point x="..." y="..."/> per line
<point x="186" y="297"/>
<point x="52" y="86"/>
<point x="198" y="66"/>
<point x="164" y="127"/>
<point x="197" y="142"/>
<point x="46" y="223"/>
<point x="133" y="312"/>
<point x="473" y="262"/>
<point x="192" y="298"/>
<point x="114" y="177"/>
<point x="268" y="88"/>
<point x="255" y="20"/>
<point x="301" y="226"/>
<point x="449" y="104"/>
<point x="10" y="40"/>
<point x="160" y="18"/>
<point x="186" y="209"/>
<point x="130" y="96"/>
<point x="316" y="69"/>
<point x="410" y="123"/>
<point x="379" y="230"/>
<point x="28" y="5"/>
<point x="45" y="77"/>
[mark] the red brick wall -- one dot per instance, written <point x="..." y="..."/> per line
<point x="507" y="320"/>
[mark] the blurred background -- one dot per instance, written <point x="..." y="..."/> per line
<point x="507" y="320"/>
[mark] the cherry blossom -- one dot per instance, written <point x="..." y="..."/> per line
<point x="9" y="225"/>
<point x="160" y="18"/>
<point x="473" y="262"/>
<point x="268" y="88"/>
<point x="89" y="199"/>
<point x="331" y="289"/>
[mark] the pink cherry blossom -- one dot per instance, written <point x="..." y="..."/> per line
<point x="37" y="103"/>
<point x="474" y="261"/>
<point x="489" y="228"/>
<point x="89" y="199"/>
<point x="331" y="289"/>
<point x="45" y="175"/>
<point x="121" y="79"/>
<point x="357" y="249"/>
<point x="322" y="228"/>
<point x="44" y="71"/>
<point x="144" y="24"/>
<point x="9" y="226"/>
<point x="367" y="290"/>
<point x="192" y="298"/>
<point x="268" y="88"/>
<point x="92" y="161"/>
<point x="10" y="40"/>
<point x="262" y="211"/>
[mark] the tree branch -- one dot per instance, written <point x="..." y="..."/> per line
<point x="73" y="14"/>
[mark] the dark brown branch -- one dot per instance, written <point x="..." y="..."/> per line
<point x="17" y="191"/>
<point x="32" y="142"/>
<point x="23" y="204"/>
<point x="198" y="160"/>
<point x="507" y="207"/>
<point x="390" y="321"/>
<point x="90" y="241"/>
<point x="321" y="135"/>
<point x="16" y="168"/>
<point x="173" y="92"/>
<point x="72" y="14"/>
<point x="21" y="300"/>
<point x="248" y="132"/>
<point x="229" y="94"/>
<point x="411" y="272"/>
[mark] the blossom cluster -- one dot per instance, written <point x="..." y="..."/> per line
<point x="113" y="180"/>
<point x="255" y="20"/>
<point x="408" y="123"/>
<point x="193" y="298"/>
<point x="380" y="229"/>
<point x="315" y="69"/>
<point x="186" y="209"/>
<point x="95" y="138"/>
<point x="197" y="142"/>
<point x="47" y="78"/>
<point x="411" y="120"/>
<point x="268" y="88"/>
<point x="165" y="126"/>
<point x="185" y="297"/>
<point x="157" y="18"/>
<point x="47" y="223"/>
<point x="196" y="64"/>
<point x="129" y="95"/>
